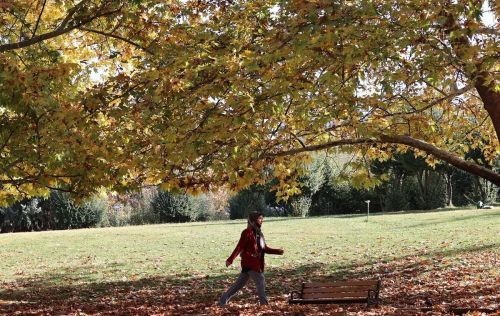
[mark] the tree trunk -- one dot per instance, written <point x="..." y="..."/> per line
<point x="421" y="197"/>
<point x="449" y="189"/>
<point x="486" y="90"/>
<point x="491" y="100"/>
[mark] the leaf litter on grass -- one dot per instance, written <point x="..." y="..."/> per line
<point x="448" y="265"/>
<point x="414" y="285"/>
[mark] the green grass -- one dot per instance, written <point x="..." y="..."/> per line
<point x="332" y="245"/>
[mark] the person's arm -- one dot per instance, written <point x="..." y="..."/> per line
<point x="273" y="251"/>
<point x="237" y="250"/>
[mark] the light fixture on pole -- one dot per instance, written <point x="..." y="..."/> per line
<point x="367" y="209"/>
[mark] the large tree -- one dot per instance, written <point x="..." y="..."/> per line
<point x="194" y="93"/>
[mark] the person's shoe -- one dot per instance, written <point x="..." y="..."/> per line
<point x="221" y="303"/>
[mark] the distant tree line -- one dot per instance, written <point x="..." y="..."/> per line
<point x="57" y="211"/>
<point x="149" y="206"/>
<point x="409" y="184"/>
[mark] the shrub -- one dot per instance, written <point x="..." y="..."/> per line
<point x="395" y="194"/>
<point x="138" y="206"/>
<point x="246" y="201"/>
<point x="299" y="206"/>
<point x="66" y="214"/>
<point x="21" y="216"/>
<point x="426" y="190"/>
<point x="57" y="211"/>
<point x="116" y="215"/>
<point x="169" y="207"/>
<point x="218" y="204"/>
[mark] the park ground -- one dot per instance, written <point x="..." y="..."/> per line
<point x="430" y="263"/>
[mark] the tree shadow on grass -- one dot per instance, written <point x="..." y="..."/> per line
<point x="409" y="280"/>
<point x="340" y="216"/>
<point x="494" y="215"/>
<point x="240" y="221"/>
<point x="439" y="210"/>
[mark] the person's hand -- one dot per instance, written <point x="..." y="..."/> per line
<point x="281" y="251"/>
<point x="228" y="263"/>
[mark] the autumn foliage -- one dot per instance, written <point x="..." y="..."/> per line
<point x="195" y="94"/>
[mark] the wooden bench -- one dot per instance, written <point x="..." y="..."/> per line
<point x="341" y="292"/>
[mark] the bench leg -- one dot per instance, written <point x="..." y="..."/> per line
<point x="372" y="299"/>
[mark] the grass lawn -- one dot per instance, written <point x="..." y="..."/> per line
<point x="179" y="268"/>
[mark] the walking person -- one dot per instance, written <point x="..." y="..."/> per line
<point x="252" y="247"/>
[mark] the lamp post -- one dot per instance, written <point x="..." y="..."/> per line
<point x="368" y="209"/>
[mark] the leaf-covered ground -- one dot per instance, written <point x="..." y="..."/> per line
<point x="451" y="272"/>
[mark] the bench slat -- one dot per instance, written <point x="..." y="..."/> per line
<point x="341" y="283"/>
<point x="364" y="288"/>
<point x="327" y="301"/>
<point x="350" y="295"/>
<point x="340" y="292"/>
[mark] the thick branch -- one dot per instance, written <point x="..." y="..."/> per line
<point x="450" y="158"/>
<point x="443" y="155"/>
<point x="60" y="30"/>
<point x="70" y="14"/>
<point x="342" y="142"/>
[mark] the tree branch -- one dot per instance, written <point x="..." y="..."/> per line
<point x="39" y="17"/>
<point x="61" y="29"/>
<point x="118" y="37"/>
<point x="488" y="31"/>
<point x="297" y="139"/>
<point x="342" y="142"/>
<point x="450" y="158"/>
<point x="70" y="14"/>
<point x="433" y="103"/>
<point x="443" y="155"/>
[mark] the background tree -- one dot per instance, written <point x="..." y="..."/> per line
<point x="55" y="212"/>
<point x="248" y="200"/>
<point x="170" y="207"/>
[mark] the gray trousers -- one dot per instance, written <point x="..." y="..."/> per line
<point x="260" y="284"/>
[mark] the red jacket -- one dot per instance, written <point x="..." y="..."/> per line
<point x="250" y="257"/>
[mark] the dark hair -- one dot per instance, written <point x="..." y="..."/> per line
<point x="253" y="216"/>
